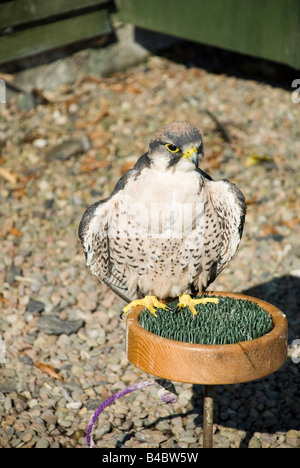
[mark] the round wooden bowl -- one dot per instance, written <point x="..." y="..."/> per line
<point x="208" y="364"/>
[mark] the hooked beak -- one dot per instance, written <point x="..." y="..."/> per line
<point x="192" y="155"/>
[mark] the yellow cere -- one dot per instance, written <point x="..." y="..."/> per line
<point x="189" y="152"/>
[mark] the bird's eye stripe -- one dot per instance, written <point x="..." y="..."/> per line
<point x="172" y="148"/>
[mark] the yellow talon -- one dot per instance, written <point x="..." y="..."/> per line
<point x="185" y="300"/>
<point x="149" y="302"/>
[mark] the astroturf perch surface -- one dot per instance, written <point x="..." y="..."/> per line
<point x="229" y="321"/>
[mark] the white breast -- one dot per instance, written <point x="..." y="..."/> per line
<point x="161" y="204"/>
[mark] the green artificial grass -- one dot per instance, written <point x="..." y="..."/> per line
<point x="229" y="321"/>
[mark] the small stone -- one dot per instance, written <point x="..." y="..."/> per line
<point x="177" y="429"/>
<point x="44" y="341"/>
<point x="7" y="385"/>
<point x="27" y="437"/>
<point x="91" y="404"/>
<point x="64" y="423"/>
<point x="15" y="442"/>
<point x="129" y="377"/>
<point x="65" y="150"/>
<point x="137" y="422"/>
<point x="12" y="273"/>
<point x="75" y="405"/>
<point x="191" y="423"/>
<point x="186" y="437"/>
<point x="52" y="325"/>
<point x="293" y="438"/>
<point x="19" y="426"/>
<point x="158" y="437"/>
<point x="35" y="306"/>
<point x="255" y="443"/>
<point x="7" y="404"/>
<point x="32" y="403"/>
<point x="26" y="101"/>
<point x="185" y="396"/>
<point x="221" y="441"/>
<point x="253" y="413"/>
<point x="25" y="359"/>
<point x="163" y="426"/>
<point x="78" y="434"/>
<point x="229" y="433"/>
<point x="42" y="443"/>
<point x="140" y="436"/>
<point x="126" y="426"/>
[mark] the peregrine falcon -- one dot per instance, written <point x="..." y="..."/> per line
<point x="168" y="229"/>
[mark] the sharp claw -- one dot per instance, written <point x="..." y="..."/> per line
<point x="149" y="302"/>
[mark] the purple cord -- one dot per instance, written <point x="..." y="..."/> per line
<point x="166" y="396"/>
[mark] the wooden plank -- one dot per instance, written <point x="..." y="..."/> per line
<point x="19" y="12"/>
<point x="56" y="34"/>
<point x="268" y="29"/>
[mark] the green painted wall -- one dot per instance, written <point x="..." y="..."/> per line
<point x="263" y="28"/>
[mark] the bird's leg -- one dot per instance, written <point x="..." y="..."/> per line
<point x="185" y="300"/>
<point x="149" y="302"/>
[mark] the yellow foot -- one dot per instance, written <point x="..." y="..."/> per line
<point x="150" y="302"/>
<point x="185" y="300"/>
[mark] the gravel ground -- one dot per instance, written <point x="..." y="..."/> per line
<point x="65" y="148"/>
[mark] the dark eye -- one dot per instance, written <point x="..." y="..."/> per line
<point x="172" y="148"/>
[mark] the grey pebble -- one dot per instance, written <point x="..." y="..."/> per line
<point x="255" y="443"/>
<point x="91" y="405"/>
<point x="7" y="385"/>
<point x="42" y="443"/>
<point x="12" y="273"/>
<point x="66" y="149"/>
<point x="35" y="306"/>
<point x="221" y="441"/>
<point x="52" y="325"/>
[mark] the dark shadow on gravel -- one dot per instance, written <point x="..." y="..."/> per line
<point x="217" y="60"/>
<point x="282" y="292"/>
<point x="271" y="404"/>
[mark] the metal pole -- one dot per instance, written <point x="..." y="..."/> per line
<point x="208" y="416"/>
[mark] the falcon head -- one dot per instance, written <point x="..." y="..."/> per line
<point x="178" y="145"/>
